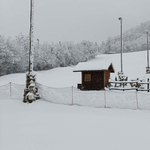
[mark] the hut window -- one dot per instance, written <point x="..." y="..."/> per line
<point x="87" y="77"/>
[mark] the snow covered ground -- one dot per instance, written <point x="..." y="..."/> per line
<point x="47" y="126"/>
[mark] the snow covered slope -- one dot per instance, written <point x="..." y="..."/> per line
<point x="134" y="66"/>
<point x="46" y="126"/>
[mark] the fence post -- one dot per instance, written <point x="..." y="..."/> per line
<point x="104" y="99"/>
<point x="10" y="89"/>
<point x="137" y="101"/>
<point x="148" y="85"/>
<point x="115" y="80"/>
<point x="72" y="95"/>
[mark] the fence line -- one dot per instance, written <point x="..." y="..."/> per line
<point x="5" y="91"/>
<point x="74" y="96"/>
<point x="134" y="85"/>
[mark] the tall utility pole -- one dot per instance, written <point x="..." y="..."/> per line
<point x="147" y="68"/>
<point x="30" y="92"/>
<point x="31" y="50"/>
<point x="121" y="43"/>
<point x="147" y="50"/>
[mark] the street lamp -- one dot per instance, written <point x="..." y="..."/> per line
<point x="147" y="68"/>
<point x="121" y="42"/>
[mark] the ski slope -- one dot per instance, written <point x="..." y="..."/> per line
<point x="134" y="66"/>
<point x="47" y="126"/>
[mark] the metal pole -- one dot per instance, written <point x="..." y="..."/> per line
<point x="148" y="85"/>
<point x="38" y="42"/>
<point x="147" y="52"/>
<point x="72" y="95"/>
<point x="104" y="99"/>
<point x="137" y="105"/>
<point x="10" y="89"/>
<point x="121" y="42"/>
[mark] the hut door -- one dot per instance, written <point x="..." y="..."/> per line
<point x="98" y="80"/>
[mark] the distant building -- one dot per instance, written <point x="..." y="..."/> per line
<point x="94" y="78"/>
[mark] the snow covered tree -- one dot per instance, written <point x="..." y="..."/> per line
<point x="133" y="40"/>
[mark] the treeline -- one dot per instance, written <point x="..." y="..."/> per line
<point x="133" y="40"/>
<point x="14" y="54"/>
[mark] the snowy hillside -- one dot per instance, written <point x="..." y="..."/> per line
<point x="46" y="126"/>
<point x="134" y="39"/>
<point x="134" y="66"/>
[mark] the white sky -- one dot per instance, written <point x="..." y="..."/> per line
<point x="72" y="20"/>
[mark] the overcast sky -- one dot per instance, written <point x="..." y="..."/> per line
<point x="72" y="20"/>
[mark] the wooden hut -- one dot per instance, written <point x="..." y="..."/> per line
<point x="94" y="78"/>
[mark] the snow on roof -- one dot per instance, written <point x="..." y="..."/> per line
<point x="92" y="65"/>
